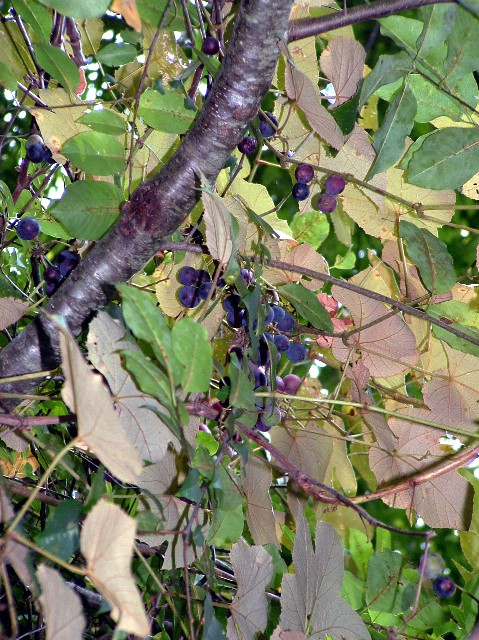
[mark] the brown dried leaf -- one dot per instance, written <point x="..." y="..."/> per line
<point x="253" y="569"/>
<point x="61" y="606"/>
<point x="11" y="310"/>
<point x="148" y="434"/>
<point x="443" y="501"/>
<point x="343" y="62"/>
<point x="99" y="426"/>
<point x="386" y="348"/>
<point x="306" y="95"/>
<point x="299" y="255"/>
<point x="158" y="479"/>
<point x="259" y="509"/>
<point x="14" y="552"/>
<point x="128" y="9"/>
<point x="107" y="542"/>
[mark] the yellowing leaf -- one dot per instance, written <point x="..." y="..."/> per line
<point x="310" y="600"/>
<point x="17" y="468"/>
<point x="144" y="427"/>
<point x="342" y="62"/>
<point x="128" y="9"/>
<point x="219" y="236"/>
<point x="386" y="348"/>
<point x="99" y="427"/>
<point x="300" y="255"/>
<point x="107" y="541"/>
<point x="253" y="568"/>
<point x="61" y="606"/>
<point x="11" y="310"/>
<point x="259" y="509"/>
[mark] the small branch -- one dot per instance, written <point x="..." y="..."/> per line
<point x="18" y="489"/>
<point x="26" y="422"/>
<point x="307" y="27"/>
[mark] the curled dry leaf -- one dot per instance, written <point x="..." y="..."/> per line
<point x="386" y="348"/>
<point x="99" y="427"/>
<point x="61" y="606"/>
<point x="107" y="542"/>
<point x="343" y="62"/>
<point x="253" y="569"/>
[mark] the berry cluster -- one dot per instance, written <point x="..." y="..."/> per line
<point x="432" y="568"/>
<point x="304" y="174"/>
<point x="65" y="262"/>
<point x="327" y="202"/>
<point x="196" y="286"/>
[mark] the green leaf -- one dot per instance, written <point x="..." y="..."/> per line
<point x="212" y="629"/>
<point x="307" y="305"/>
<point x="446" y="159"/>
<point x="389" y="139"/>
<point x="430" y="256"/>
<point x="58" y="64"/>
<point x="433" y="103"/>
<point x="7" y="79"/>
<point x="386" y="584"/>
<point x="148" y="323"/>
<point x="6" y="197"/>
<point x="461" y="344"/>
<point x="438" y="22"/>
<point x="80" y="10"/>
<point x="242" y="394"/>
<point x="88" y="209"/>
<point x="461" y="48"/>
<point x="406" y="32"/>
<point x="388" y="69"/>
<point x="37" y="16"/>
<point x="165" y="112"/>
<point x="61" y="535"/>
<point x="226" y="527"/>
<point x="97" y="153"/>
<point x="105" y="121"/>
<point x="149" y="377"/>
<point x="470" y="5"/>
<point x="312" y="228"/>
<point x="192" y="349"/>
<point x="116" y="54"/>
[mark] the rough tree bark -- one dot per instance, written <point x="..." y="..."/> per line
<point x="159" y="206"/>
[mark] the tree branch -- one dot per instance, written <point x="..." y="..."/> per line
<point x="159" y="205"/>
<point x="307" y="27"/>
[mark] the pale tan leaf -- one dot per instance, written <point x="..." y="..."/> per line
<point x="386" y="348"/>
<point x="359" y="205"/>
<point x="301" y="90"/>
<point x="410" y="282"/>
<point x="253" y="569"/>
<point x="99" y="427"/>
<point x="11" y="310"/>
<point x="378" y="277"/>
<point x="107" y="542"/>
<point x="61" y="606"/>
<point x="59" y="122"/>
<point x="442" y="501"/>
<point x="158" y="480"/>
<point x="128" y="9"/>
<point x="299" y="255"/>
<point x="259" y="509"/>
<point x="343" y="62"/>
<point x="310" y="600"/>
<point x="218" y="227"/>
<point x="143" y="426"/>
<point x="454" y="392"/>
<point x="278" y="634"/>
<point x="15" y="553"/>
<point x="471" y="188"/>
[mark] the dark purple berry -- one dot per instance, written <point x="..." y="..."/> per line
<point x="248" y="145"/>
<point x="443" y="587"/>
<point x="281" y="343"/>
<point x="37" y="151"/>
<point x="52" y="274"/>
<point x="232" y="303"/>
<point x="334" y="184"/>
<point x="279" y="313"/>
<point x="325" y="203"/>
<point x="28" y="228"/>
<point x="238" y="352"/>
<point x="266" y="128"/>
<point x="204" y="290"/>
<point x="247" y="276"/>
<point x="268" y="336"/>
<point x="221" y="283"/>
<point x="296" y="352"/>
<point x="279" y="384"/>
<point x="67" y="261"/>
<point x="203" y="276"/>
<point x="188" y="296"/>
<point x="286" y="324"/>
<point x="304" y="173"/>
<point x="268" y="314"/>
<point x="210" y="46"/>
<point x="300" y="191"/>
<point x="261" y="426"/>
<point x="188" y="276"/>
<point x="291" y="382"/>
<point x="50" y="288"/>
<point x="260" y="380"/>
<point x="235" y="318"/>
<point x="272" y="417"/>
<point x="434" y="565"/>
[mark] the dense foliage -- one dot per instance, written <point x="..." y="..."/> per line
<point x="238" y="319"/>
